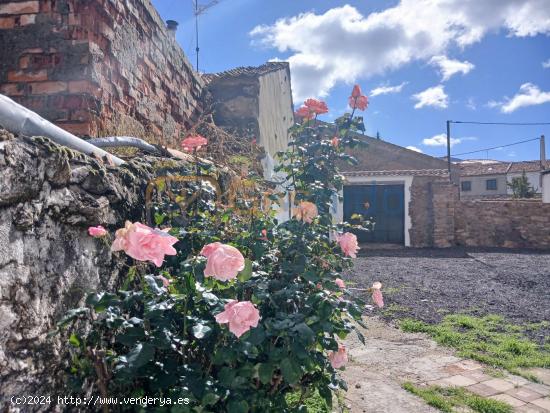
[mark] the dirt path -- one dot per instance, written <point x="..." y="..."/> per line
<point x="391" y="357"/>
<point x="428" y="284"/>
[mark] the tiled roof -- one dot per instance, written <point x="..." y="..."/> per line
<point x="527" y="166"/>
<point x="478" y="168"/>
<point x="498" y="168"/>
<point x="253" y="71"/>
<point x="411" y="172"/>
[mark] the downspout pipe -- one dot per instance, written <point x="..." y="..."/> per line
<point x="121" y="141"/>
<point x="22" y="121"/>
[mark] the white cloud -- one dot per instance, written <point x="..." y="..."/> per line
<point x="546" y="64"/>
<point x="441" y="140"/>
<point x="414" y="148"/>
<point x="384" y="90"/>
<point x="471" y="104"/>
<point x="449" y="67"/>
<point x="342" y="45"/>
<point x="528" y="95"/>
<point x="433" y="96"/>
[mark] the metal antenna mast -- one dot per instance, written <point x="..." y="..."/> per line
<point x="199" y="11"/>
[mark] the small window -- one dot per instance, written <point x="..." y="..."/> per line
<point x="466" y="185"/>
<point x="491" y="184"/>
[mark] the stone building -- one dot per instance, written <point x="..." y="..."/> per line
<point x="97" y="67"/>
<point x="255" y="101"/>
<point x="489" y="179"/>
<point x="407" y="194"/>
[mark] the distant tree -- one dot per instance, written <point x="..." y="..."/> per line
<point x="521" y="187"/>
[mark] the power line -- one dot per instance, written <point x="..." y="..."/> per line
<point x="497" y="147"/>
<point x="502" y="123"/>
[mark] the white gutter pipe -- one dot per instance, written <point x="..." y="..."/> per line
<point x="121" y="141"/>
<point x="22" y="121"/>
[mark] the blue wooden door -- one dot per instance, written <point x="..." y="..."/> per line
<point x="383" y="204"/>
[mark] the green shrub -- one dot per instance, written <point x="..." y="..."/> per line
<point x="158" y="336"/>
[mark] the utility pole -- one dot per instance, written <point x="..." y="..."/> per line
<point x="449" y="147"/>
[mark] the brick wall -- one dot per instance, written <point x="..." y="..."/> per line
<point x="431" y="210"/>
<point x="509" y="224"/>
<point x="97" y="66"/>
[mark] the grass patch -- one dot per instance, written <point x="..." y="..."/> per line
<point x="454" y="399"/>
<point x="488" y="339"/>
<point x="313" y="402"/>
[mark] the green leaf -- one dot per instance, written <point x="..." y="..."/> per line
<point x="201" y="330"/>
<point x="246" y="273"/>
<point x="237" y="406"/>
<point x="291" y="370"/>
<point x="210" y="399"/>
<point x="265" y="372"/>
<point x="256" y="335"/>
<point x="305" y="334"/>
<point x="140" y="355"/>
<point x="326" y="394"/>
<point x="153" y="285"/>
<point x="71" y="315"/>
<point x="227" y="376"/>
<point x="74" y="341"/>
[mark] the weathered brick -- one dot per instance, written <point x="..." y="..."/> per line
<point x="23" y="76"/>
<point x="12" y="89"/>
<point x="21" y="7"/>
<point x="27" y="19"/>
<point x="48" y="88"/>
<point x="24" y="62"/>
<point x="76" y="128"/>
<point x="7" y="23"/>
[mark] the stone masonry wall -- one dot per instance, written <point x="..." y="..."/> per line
<point x="445" y="197"/>
<point x="432" y="212"/>
<point x="508" y="224"/>
<point x="97" y="67"/>
<point x="49" y="196"/>
<point x="421" y="212"/>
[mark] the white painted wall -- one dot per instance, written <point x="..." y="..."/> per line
<point x="532" y="177"/>
<point x="276" y="112"/>
<point x="276" y="116"/>
<point x="380" y="180"/>
<point x="546" y="188"/>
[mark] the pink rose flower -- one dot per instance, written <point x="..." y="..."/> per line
<point x="340" y="283"/>
<point x="304" y="113"/>
<point x="193" y="142"/>
<point x="264" y="235"/>
<point x="144" y="243"/>
<point x="317" y="107"/>
<point x="165" y="281"/>
<point x="97" y="232"/>
<point x="224" y="262"/>
<point x="348" y="244"/>
<point x="338" y="359"/>
<point x="240" y="316"/>
<point x="357" y="100"/>
<point x="377" y="294"/>
<point x="335" y="141"/>
<point x="305" y="211"/>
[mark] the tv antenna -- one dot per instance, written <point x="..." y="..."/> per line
<point x="199" y="10"/>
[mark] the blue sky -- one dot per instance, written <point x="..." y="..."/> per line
<point x="420" y="61"/>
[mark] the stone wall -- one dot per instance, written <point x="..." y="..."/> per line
<point x="508" y="224"/>
<point x="255" y="102"/>
<point x="49" y="196"/>
<point x="97" y="67"/>
<point x="431" y="210"/>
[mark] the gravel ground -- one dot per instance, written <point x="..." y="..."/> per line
<point x="427" y="284"/>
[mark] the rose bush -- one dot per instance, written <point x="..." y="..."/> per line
<point x="246" y="310"/>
